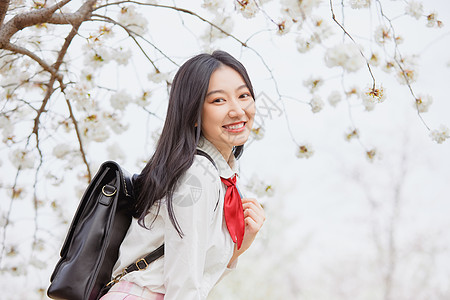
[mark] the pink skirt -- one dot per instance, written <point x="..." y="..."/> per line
<point x="130" y="291"/>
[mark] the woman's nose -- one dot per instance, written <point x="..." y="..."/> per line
<point x="236" y="110"/>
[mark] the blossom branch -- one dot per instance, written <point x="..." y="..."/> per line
<point x="85" y="10"/>
<point x="80" y="142"/>
<point x="280" y="97"/>
<point x="333" y="16"/>
<point x="183" y="10"/>
<point x="35" y="198"/>
<point x="54" y="77"/>
<point x="130" y="34"/>
<point x="398" y="62"/>
<point x="21" y="50"/>
<point x="8" y="214"/>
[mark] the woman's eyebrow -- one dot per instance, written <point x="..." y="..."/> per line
<point x="215" y="91"/>
<point x="244" y="86"/>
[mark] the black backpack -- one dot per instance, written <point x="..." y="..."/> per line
<point x="91" y="247"/>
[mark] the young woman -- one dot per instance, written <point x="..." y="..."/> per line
<point x="186" y="201"/>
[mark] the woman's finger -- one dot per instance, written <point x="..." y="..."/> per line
<point x="258" y="219"/>
<point x="251" y="200"/>
<point x="252" y="205"/>
<point x="258" y="211"/>
<point x="251" y="225"/>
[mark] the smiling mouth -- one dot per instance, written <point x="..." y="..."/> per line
<point x="235" y="126"/>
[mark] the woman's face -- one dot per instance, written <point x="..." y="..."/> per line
<point x="228" y="111"/>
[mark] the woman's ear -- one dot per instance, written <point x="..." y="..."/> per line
<point x="195" y="124"/>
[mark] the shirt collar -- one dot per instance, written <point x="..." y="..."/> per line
<point x="226" y="169"/>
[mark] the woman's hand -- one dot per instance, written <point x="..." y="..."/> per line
<point x="254" y="218"/>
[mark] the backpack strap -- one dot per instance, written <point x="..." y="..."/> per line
<point x="203" y="153"/>
<point x="142" y="263"/>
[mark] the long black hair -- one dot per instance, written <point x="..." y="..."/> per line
<point x="175" y="150"/>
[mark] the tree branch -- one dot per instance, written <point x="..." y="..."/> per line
<point x="397" y="52"/>
<point x="64" y="18"/>
<point x="183" y="10"/>
<point x="26" y="52"/>
<point x="27" y="19"/>
<point x="8" y="214"/>
<point x="4" y="4"/>
<point x="333" y="16"/>
<point x="35" y="197"/>
<point x="85" y="11"/>
<point x="132" y="34"/>
<point x="80" y="142"/>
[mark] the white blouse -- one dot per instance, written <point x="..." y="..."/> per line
<point x="193" y="264"/>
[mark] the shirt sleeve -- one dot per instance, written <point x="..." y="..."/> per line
<point x="229" y="269"/>
<point x="193" y="206"/>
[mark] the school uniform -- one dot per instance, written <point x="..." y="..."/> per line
<point x="191" y="264"/>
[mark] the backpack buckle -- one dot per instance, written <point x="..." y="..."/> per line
<point x="117" y="278"/>
<point x="142" y="266"/>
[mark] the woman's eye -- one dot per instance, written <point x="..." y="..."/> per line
<point x="218" y="100"/>
<point x="245" y="95"/>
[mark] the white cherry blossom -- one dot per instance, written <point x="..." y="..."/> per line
<point x="346" y="56"/>
<point x="258" y="133"/>
<point x="158" y="77"/>
<point x="423" y="102"/>
<point x="414" y="9"/>
<point x="382" y="34"/>
<point x="374" y="60"/>
<point x="351" y="134"/>
<point x="247" y="8"/>
<point x="87" y="77"/>
<point x="357" y="4"/>
<point x="213" y="5"/>
<point x="6" y="126"/>
<point x="122" y="56"/>
<point x="388" y="66"/>
<point x="222" y="21"/>
<point x="372" y="96"/>
<point x="80" y="95"/>
<point x="316" y="104"/>
<point x="297" y="9"/>
<point x="321" y="30"/>
<point x="304" y="151"/>
<point x="92" y="129"/>
<point x="440" y="135"/>
<point x="133" y="20"/>
<point x="372" y="154"/>
<point x="115" y="123"/>
<point x="120" y="100"/>
<point x="284" y="26"/>
<point x="259" y="187"/>
<point x="304" y="45"/>
<point x="334" y="98"/>
<point x="23" y="159"/>
<point x="61" y="150"/>
<point x="97" y="57"/>
<point x="432" y="19"/>
<point x="144" y="99"/>
<point x="313" y="83"/>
